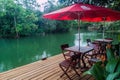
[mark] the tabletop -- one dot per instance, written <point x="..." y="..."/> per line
<point x="104" y="40"/>
<point x="85" y="49"/>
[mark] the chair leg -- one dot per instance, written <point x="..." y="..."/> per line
<point x="90" y="63"/>
<point x="65" y="72"/>
<point x="76" y="72"/>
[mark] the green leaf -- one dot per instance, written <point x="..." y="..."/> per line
<point x="118" y="65"/>
<point x="96" y="71"/>
<point x="87" y="72"/>
<point x="113" y="76"/>
<point x="110" y="54"/>
<point x="111" y="65"/>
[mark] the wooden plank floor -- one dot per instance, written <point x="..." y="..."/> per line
<point x="41" y="70"/>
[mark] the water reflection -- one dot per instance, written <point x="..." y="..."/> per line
<point x="76" y="41"/>
<point x="45" y="55"/>
<point x="84" y="36"/>
<point x="18" y="52"/>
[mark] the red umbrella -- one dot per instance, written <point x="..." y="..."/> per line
<point x="84" y="12"/>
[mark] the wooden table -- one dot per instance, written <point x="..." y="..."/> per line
<point x="104" y="40"/>
<point x="102" y="45"/>
<point x="82" y="51"/>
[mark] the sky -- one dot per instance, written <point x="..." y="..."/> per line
<point x="42" y="2"/>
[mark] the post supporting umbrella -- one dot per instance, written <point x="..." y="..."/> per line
<point x="103" y="31"/>
<point x="79" y="33"/>
<point x="79" y="30"/>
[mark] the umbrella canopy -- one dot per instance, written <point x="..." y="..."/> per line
<point x="84" y="12"/>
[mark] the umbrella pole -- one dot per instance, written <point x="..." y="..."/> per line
<point x="79" y="33"/>
<point x="103" y="28"/>
<point x="103" y="34"/>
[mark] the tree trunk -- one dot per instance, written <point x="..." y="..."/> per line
<point x="17" y="35"/>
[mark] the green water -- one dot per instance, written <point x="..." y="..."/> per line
<point x="18" y="52"/>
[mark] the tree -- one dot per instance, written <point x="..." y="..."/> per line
<point x="16" y="20"/>
<point x="22" y="17"/>
<point x="105" y="3"/>
<point x="55" y="25"/>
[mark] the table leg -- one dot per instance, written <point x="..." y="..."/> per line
<point x="82" y="58"/>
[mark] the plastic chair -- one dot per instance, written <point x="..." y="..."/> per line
<point x="70" y="64"/>
<point x="66" y="54"/>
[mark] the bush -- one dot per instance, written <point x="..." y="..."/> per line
<point x="108" y="70"/>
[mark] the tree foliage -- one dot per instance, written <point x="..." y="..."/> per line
<point x="23" y="17"/>
<point x="106" y="3"/>
<point x="15" y="20"/>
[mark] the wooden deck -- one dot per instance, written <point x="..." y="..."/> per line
<point x="40" y="70"/>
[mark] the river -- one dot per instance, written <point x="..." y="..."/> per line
<point x="18" y="52"/>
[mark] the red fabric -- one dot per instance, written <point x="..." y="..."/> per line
<point x="84" y="12"/>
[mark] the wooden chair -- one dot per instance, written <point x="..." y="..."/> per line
<point x="95" y="45"/>
<point x="100" y="54"/>
<point x="92" y="61"/>
<point x="67" y="54"/>
<point x="93" y="56"/>
<point x="109" y="38"/>
<point x="97" y="48"/>
<point x="70" y="64"/>
<point x="88" y="42"/>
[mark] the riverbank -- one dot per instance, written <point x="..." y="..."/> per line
<point x="113" y="31"/>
